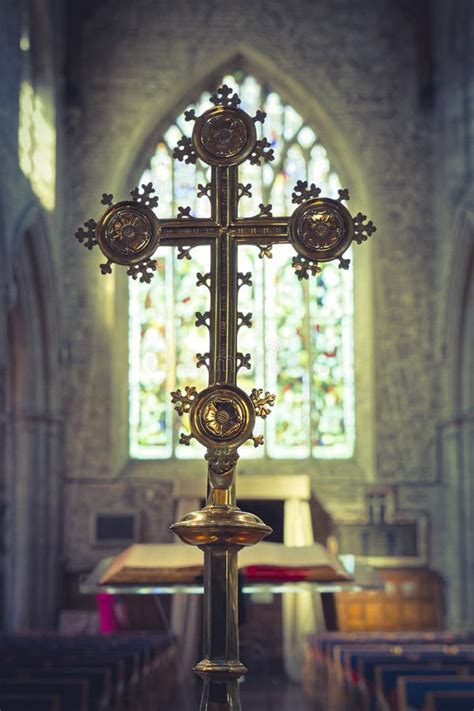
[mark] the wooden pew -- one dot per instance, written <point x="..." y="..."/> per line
<point x="449" y="701"/>
<point x="412" y="691"/>
<point x="103" y="693"/>
<point x="339" y="669"/>
<point x="123" y="672"/>
<point x="98" y="680"/>
<point x="73" y="694"/>
<point x="350" y="660"/>
<point x="386" y="676"/>
<point x="33" y="702"/>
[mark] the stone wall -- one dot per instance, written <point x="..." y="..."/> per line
<point x="153" y="501"/>
<point x="388" y="86"/>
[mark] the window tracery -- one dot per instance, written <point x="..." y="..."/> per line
<point x="301" y="341"/>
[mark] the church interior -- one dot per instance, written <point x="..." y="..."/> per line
<point x="367" y="455"/>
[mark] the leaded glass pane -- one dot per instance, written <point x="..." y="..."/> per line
<point x="188" y="299"/>
<point x="332" y="379"/>
<point x="251" y="299"/>
<point x="301" y="340"/>
<point x="151" y="359"/>
<point x="286" y="358"/>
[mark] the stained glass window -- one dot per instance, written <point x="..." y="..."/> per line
<point x="301" y="341"/>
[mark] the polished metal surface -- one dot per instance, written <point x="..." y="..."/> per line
<point x="221" y="525"/>
<point x="222" y="416"/>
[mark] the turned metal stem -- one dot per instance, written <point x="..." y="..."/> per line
<point x="221" y="667"/>
<point x="220" y="697"/>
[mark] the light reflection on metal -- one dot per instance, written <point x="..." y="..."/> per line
<point x="222" y="416"/>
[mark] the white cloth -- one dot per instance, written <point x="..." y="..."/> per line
<point x="302" y="611"/>
<point x="185" y="615"/>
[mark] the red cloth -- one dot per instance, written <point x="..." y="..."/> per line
<point x="108" y="622"/>
<point x="276" y="573"/>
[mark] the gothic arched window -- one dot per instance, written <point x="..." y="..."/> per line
<point x="301" y="341"/>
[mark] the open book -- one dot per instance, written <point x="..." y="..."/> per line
<point x="151" y="563"/>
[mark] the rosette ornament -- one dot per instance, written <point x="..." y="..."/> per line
<point x="222" y="417"/>
<point x="224" y="135"/>
<point x="128" y="233"/>
<point x="322" y="229"/>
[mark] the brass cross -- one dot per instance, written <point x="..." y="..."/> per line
<point x="222" y="416"/>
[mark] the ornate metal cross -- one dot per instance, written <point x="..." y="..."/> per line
<point x="222" y="416"/>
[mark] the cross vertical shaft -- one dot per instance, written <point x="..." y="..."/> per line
<point x="223" y="326"/>
<point x="220" y="613"/>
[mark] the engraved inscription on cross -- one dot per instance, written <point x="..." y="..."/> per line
<point x="222" y="416"/>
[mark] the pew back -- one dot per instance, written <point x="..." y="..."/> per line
<point x="412" y="691"/>
<point x="450" y="701"/>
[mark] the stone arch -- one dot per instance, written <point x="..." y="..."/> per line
<point x="466" y="418"/>
<point x="362" y="466"/>
<point x="456" y="301"/>
<point x="456" y="430"/>
<point x="317" y="113"/>
<point x="33" y="434"/>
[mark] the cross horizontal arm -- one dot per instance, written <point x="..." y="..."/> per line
<point x="191" y="231"/>
<point x="260" y="230"/>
